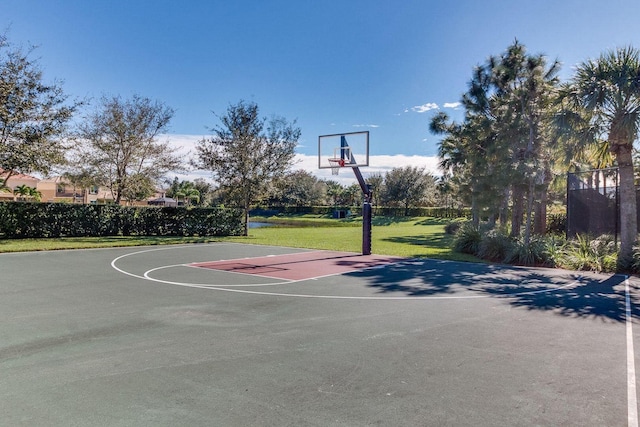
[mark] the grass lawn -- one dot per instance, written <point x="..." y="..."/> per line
<point x="407" y="237"/>
<point x="401" y="236"/>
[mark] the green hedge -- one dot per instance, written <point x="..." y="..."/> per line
<point x="437" y="212"/>
<point x="32" y="220"/>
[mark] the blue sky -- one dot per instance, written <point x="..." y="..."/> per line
<point x="334" y="66"/>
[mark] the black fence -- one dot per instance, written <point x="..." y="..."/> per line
<point x="592" y="202"/>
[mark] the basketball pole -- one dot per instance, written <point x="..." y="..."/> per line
<point x="366" y="212"/>
<point x="366" y="202"/>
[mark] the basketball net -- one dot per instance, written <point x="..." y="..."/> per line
<point x="336" y="164"/>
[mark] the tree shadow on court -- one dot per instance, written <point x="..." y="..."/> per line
<point x="561" y="292"/>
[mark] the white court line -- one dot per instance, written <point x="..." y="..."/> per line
<point x="632" y="400"/>
<point x="146" y="276"/>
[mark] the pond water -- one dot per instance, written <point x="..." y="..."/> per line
<point x="255" y="224"/>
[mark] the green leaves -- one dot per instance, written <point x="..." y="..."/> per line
<point x="33" y="115"/>
<point x="34" y="220"/>
<point x="118" y="143"/>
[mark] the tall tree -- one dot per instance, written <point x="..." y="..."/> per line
<point x="408" y="187"/>
<point x="299" y="188"/>
<point x="525" y="87"/>
<point x="375" y="181"/>
<point x="501" y="150"/>
<point x="81" y="180"/>
<point x="119" y="142"/>
<point x="607" y="91"/>
<point x="247" y="152"/>
<point x="185" y="191"/>
<point x="335" y="192"/>
<point x="34" y="115"/>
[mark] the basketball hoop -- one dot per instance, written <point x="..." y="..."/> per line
<point x="336" y="164"/>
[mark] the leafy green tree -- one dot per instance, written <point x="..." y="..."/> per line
<point x="184" y="191"/>
<point x="375" y="181"/>
<point x="602" y="104"/>
<point x="504" y="147"/>
<point x="139" y="187"/>
<point x="299" y="188"/>
<point x="34" y="115"/>
<point x="525" y="87"/>
<point x="82" y="180"/>
<point x="205" y="190"/>
<point x="119" y="142"/>
<point x="353" y="195"/>
<point x="408" y="187"/>
<point x="246" y="153"/>
<point x="335" y="191"/>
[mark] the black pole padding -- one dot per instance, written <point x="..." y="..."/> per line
<point x="366" y="212"/>
<point x="366" y="228"/>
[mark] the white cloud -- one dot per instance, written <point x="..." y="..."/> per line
<point x="377" y="164"/>
<point x="453" y="105"/>
<point x="366" y="126"/>
<point x="424" y="107"/>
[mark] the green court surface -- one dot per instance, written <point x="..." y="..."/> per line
<point x="227" y="334"/>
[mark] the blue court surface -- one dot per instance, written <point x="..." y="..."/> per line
<point x="228" y="334"/>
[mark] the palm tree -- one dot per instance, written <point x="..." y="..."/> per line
<point x="4" y="187"/>
<point x="607" y="90"/>
<point x="35" y="194"/>
<point x="335" y="191"/>
<point x="25" y="192"/>
<point x="184" y="191"/>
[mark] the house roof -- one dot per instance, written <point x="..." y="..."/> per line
<point x="16" y="175"/>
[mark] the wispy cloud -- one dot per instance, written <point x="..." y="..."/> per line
<point x="453" y="105"/>
<point x="377" y="163"/>
<point x="424" y="107"/>
<point x="366" y="126"/>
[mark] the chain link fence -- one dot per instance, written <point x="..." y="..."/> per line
<point x="593" y="202"/>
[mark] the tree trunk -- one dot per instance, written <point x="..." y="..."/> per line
<point x="504" y="208"/>
<point x="475" y="215"/>
<point x="518" y="211"/>
<point x="540" y="216"/>
<point x="246" y="220"/>
<point x="628" y="203"/>
<point x="527" y="229"/>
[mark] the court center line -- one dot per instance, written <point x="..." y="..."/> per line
<point x="632" y="400"/>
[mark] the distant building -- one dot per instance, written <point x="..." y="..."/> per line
<point x="60" y="190"/>
<point x="15" y="180"/>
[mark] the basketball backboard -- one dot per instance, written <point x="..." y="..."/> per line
<point x="352" y="149"/>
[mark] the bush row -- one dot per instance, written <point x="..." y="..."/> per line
<point x="437" y="212"/>
<point x="33" y="220"/>
<point x="583" y="252"/>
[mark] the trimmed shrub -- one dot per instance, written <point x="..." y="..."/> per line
<point x="32" y="220"/>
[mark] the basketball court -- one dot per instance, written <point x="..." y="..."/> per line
<point x="235" y="335"/>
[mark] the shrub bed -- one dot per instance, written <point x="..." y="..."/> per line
<point x="34" y="220"/>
